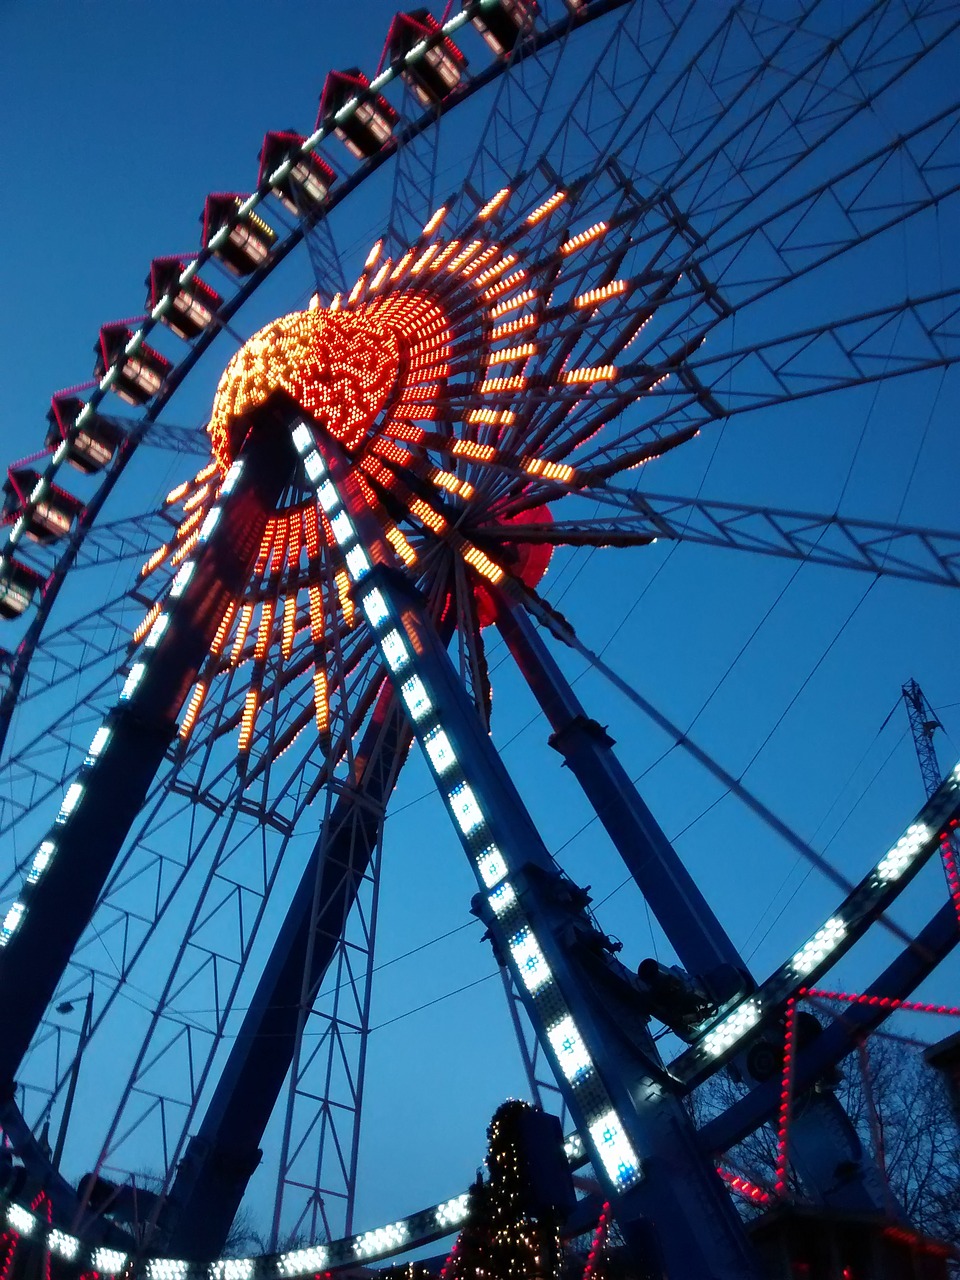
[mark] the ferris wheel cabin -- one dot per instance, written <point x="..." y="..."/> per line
<point x="305" y="187"/>
<point x="502" y="22"/>
<point x="367" y="128"/>
<point x="48" y="510"/>
<point x="90" y="448"/>
<point x="431" y="70"/>
<point x="139" y="373"/>
<point x="241" y="242"/>
<point x="18" y="585"/>
<point x="192" y="306"/>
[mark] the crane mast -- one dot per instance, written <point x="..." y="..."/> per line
<point x="923" y="725"/>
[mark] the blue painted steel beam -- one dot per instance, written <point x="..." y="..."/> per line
<point x="88" y="838"/>
<point x="694" y="932"/>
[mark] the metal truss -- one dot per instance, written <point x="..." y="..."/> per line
<point x="320" y="1147"/>
<point x="414" y="183"/>
<point x="916" y="554"/>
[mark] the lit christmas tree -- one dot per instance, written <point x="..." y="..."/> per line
<point x="513" y="1231"/>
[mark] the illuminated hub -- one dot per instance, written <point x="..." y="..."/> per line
<point x="341" y="366"/>
<point x="436" y="372"/>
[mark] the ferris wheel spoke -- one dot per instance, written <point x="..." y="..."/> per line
<point x="414" y="182"/>
<point x="114" y="541"/>
<point x="77" y="651"/>
<point x="352" y="704"/>
<point x="905" y="338"/>
<point x="147" y="858"/>
<point x="639" y="125"/>
<point x="328" y="274"/>
<point x="620" y="532"/>
<point x="150" y="860"/>
<point x="228" y="1120"/>
<point x="911" y="337"/>
<point x="474" y="671"/>
<point x="168" y="436"/>
<point x="221" y="888"/>
<point x="520" y="100"/>
<point x="589" y="124"/>
<point x="320" y="1140"/>
<point x="894" y="550"/>
<point x="83" y="844"/>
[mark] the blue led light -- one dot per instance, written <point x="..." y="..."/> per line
<point x="342" y="528"/>
<point x="415" y="698"/>
<point x="375" y="607"/>
<point x="467" y="812"/>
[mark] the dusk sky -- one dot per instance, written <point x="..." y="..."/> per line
<point x="117" y="120"/>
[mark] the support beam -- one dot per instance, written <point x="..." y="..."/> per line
<point x="694" y="932"/>
<point x="73" y="863"/>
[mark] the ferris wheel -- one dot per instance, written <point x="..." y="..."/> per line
<point x="606" y="235"/>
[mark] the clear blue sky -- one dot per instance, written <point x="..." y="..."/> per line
<point x="117" y="119"/>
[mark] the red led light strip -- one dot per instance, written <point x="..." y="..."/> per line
<point x="880" y="1002"/>
<point x="744" y="1187"/>
<point x="948" y="855"/>
<point x="599" y="1240"/>
<point x="786" y="1092"/>
<point x="8" y="1247"/>
<point x="42" y="1206"/>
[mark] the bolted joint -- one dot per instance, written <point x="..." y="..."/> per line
<point x="564" y="739"/>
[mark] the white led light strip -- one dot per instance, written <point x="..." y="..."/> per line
<point x="417" y="1228"/>
<point x="834" y="936"/>
<point x="530" y="964"/>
